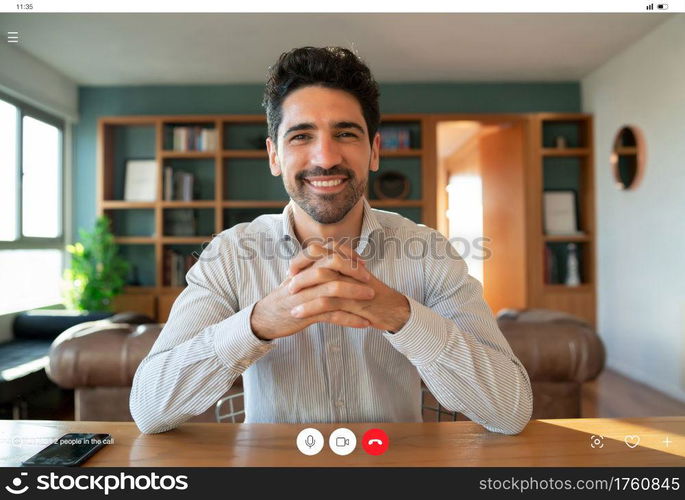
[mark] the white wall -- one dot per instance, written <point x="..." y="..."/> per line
<point x="641" y="233"/>
<point x="24" y="77"/>
<point x="31" y="80"/>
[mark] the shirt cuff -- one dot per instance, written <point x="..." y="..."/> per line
<point x="424" y="335"/>
<point x="235" y="343"/>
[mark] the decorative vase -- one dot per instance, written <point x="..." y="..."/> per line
<point x="572" y="275"/>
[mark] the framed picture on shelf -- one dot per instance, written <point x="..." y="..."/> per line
<point x="560" y="209"/>
<point x="140" y="182"/>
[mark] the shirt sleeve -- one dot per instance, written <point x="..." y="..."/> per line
<point x="460" y="352"/>
<point x="206" y="343"/>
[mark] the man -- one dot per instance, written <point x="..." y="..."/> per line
<point x="344" y="326"/>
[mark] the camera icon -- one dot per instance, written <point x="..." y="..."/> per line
<point x="596" y="441"/>
<point x="342" y="441"/>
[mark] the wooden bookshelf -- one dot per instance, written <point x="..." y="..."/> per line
<point x="570" y="168"/>
<point x="187" y="154"/>
<point x="565" y="151"/>
<point x="514" y="158"/>
<point x="571" y="238"/>
<point x="226" y="192"/>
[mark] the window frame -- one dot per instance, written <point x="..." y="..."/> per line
<point x="32" y="242"/>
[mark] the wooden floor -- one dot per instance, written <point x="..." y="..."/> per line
<point x="613" y="395"/>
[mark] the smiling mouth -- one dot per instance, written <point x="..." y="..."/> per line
<point x="331" y="183"/>
<point x="326" y="184"/>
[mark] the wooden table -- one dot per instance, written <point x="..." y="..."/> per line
<point x="551" y="443"/>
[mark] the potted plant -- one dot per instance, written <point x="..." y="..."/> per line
<point x="97" y="273"/>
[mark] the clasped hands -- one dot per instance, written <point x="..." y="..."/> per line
<point x="331" y="286"/>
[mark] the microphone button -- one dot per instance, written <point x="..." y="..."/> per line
<point x="309" y="441"/>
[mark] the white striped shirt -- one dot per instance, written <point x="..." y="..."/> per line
<point x="326" y="372"/>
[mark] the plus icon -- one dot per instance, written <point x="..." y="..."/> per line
<point x="667" y="441"/>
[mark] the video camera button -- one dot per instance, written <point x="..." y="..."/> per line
<point x="342" y="441"/>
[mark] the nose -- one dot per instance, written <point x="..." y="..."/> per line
<point x="326" y="153"/>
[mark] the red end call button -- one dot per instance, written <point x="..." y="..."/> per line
<point x="375" y="442"/>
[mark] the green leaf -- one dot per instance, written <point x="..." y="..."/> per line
<point x="97" y="273"/>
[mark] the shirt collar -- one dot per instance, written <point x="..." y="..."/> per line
<point x="370" y="224"/>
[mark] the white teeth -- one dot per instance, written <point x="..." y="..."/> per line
<point x="326" y="183"/>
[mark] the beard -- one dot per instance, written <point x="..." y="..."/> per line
<point x="326" y="208"/>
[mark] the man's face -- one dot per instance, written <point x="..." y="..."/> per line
<point x="323" y="152"/>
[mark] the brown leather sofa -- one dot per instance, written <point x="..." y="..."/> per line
<point x="99" y="359"/>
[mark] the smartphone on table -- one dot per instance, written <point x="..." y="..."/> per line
<point x="69" y="450"/>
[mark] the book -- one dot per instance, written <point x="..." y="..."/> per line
<point x="168" y="183"/>
<point x="178" y="186"/>
<point x="194" y="138"/>
<point x="180" y="223"/>
<point x="395" y="138"/>
<point x="187" y="182"/>
<point x="176" y="266"/>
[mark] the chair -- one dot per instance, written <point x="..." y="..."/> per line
<point x="234" y="401"/>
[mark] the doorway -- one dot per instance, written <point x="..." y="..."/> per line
<point x="481" y="200"/>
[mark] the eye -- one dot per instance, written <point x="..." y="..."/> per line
<point x="347" y="134"/>
<point x="299" y="137"/>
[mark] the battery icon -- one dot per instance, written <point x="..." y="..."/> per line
<point x="662" y="6"/>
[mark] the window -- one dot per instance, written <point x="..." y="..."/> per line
<point x="465" y="214"/>
<point x="31" y="213"/>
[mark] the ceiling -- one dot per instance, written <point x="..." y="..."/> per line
<point x="136" y="49"/>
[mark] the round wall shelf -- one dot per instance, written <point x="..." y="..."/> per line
<point x="628" y="157"/>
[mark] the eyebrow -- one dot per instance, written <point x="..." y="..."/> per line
<point x="336" y="125"/>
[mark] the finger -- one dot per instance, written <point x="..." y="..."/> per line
<point x="315" y="252"/>
<point x="312" y="276"/>
<point x="307" y="256"/>
<point x="343" y="318"/>
<point x="322" y="305"/>
<point x="344" y="266"/>
<point x="330" y="268"/>
<point x="334" y="290"/>
<point x="338" y="289"/>
<point x="345" y="251"/>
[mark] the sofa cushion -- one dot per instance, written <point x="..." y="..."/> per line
<point x="100" y="353"/>
<point x="555" y="351"/>
<point x="21" y="367"/>
<point x="46" y="324"/>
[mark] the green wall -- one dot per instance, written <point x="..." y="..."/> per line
<point x="95" y="102"/>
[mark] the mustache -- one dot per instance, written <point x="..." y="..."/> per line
<point x="322" y="172"/>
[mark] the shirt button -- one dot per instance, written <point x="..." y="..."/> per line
<point x="340" y="403"/>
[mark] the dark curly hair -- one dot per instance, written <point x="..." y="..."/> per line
<point x="331" y="67"/>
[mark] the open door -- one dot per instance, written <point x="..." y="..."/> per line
<point x="481" y="168"/>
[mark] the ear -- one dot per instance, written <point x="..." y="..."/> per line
<point x="274" y="164"/>
<point x="374" y="164"/>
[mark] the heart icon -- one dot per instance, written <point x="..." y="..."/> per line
<point x="632" y="441"/>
